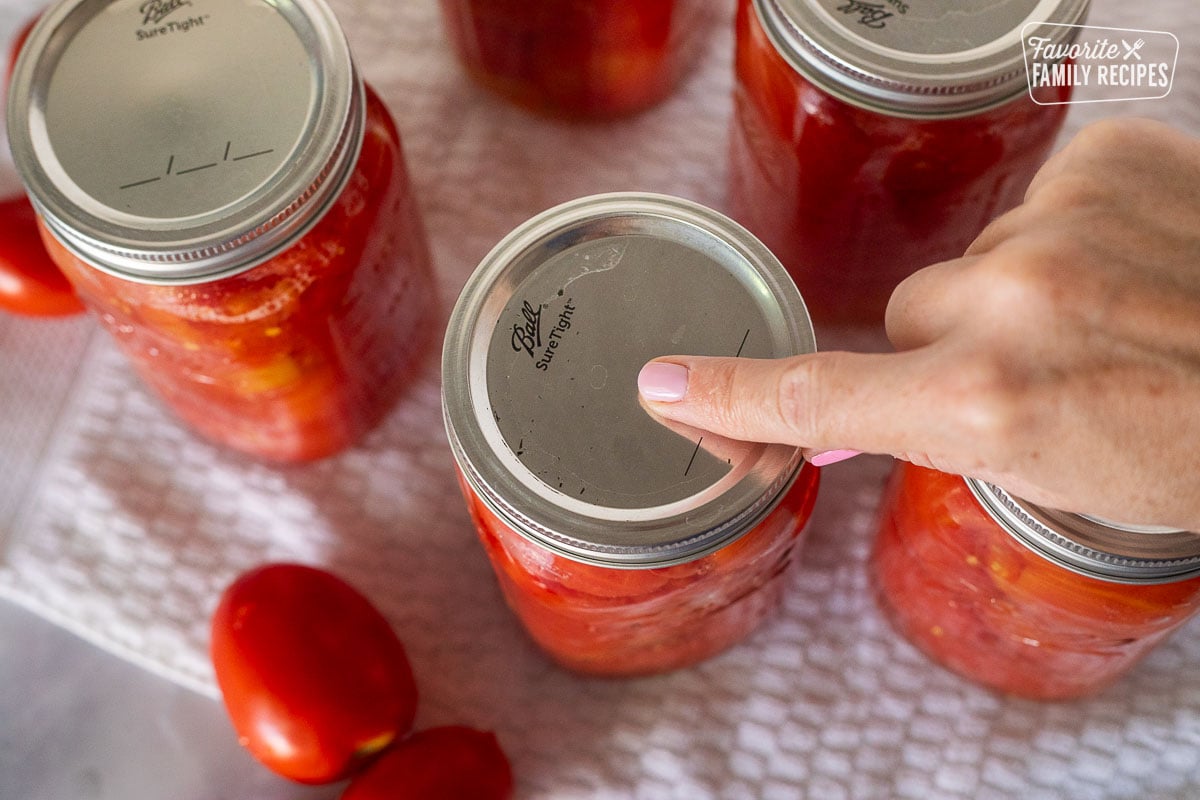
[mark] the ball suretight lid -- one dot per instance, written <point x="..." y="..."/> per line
<point x="540" y="377"/>
<point x="182" y="140"/>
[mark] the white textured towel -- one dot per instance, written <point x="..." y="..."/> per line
<point x="119" y="524"/>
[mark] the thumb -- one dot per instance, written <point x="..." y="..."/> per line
<point x="821" y="401"/>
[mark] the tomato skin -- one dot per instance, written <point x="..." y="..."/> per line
<point x="448" y="763"/>
<point x="315" y="680"/>
<point x="30" y="283"/>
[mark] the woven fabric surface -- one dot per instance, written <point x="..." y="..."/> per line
<point x="119" y="524"/>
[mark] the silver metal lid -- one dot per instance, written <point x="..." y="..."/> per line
<point x="540" y="370"/>
<point x="184" y="140"/>
<point x="1093" y="546"/>
<point x="928" y="58"/>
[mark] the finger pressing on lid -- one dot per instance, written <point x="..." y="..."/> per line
<point x="822" y="401"/>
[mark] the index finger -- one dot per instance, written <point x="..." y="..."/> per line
<point x="890" y="403"/>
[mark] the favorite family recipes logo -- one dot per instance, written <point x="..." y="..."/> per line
<point x="1099" y="64"/>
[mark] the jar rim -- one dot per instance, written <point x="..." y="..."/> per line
<point x="884" y="69"/>
<point x="1090" y="545"/>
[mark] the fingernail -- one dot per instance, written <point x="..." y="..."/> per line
<point x="832" y="457"/>
<point x="663" y="381"/>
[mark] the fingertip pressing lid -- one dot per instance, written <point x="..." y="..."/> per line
<point x="540" y="377"/>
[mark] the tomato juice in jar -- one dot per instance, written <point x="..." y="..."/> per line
<point x="1024" y="599"/>
<point x="623" y="546"/>
<point x="579" y="58"/>
<point x="872" y="139"/>
<point x="231" y="200"/>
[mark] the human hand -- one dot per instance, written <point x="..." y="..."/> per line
<point x="1058" y="358"/>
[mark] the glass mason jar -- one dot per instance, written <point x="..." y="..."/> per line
<point x="870" y="139"/>
<point x="1024" y="599"/>
<point x="231" y="201"/>
<point x="578" y="58"/>
<point x="623" y="546"/>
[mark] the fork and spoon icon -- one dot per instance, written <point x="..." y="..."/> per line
<point x="1132" y="49"/>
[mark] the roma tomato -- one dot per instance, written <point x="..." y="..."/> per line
<point x="314" y="678"/>
<point x="448" y="763"/>
<point x="30" y="283"/>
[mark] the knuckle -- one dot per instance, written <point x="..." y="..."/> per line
<point x="1020" y="279"/>
<point x="798" y="402"/>
<point x="998" y="230"/>
<point x="1035" y="277"/>
<point x="721" y="395"/>
<point x="1115" y="136"/>
<point x="991" y="404"/>
<point x="1099" y="161"/>
<point x="1072" y="190"/>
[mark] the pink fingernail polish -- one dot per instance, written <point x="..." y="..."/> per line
<point x="663" y="381"/>
<point x="832" y="457"/>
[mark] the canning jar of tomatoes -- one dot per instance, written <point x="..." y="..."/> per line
<point x="872" y="139"/>
<point x="231" y="201"/>
<point x="578" y="58"/>
<point x="625" y="547"/>
<point x="1021" y="598"/>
